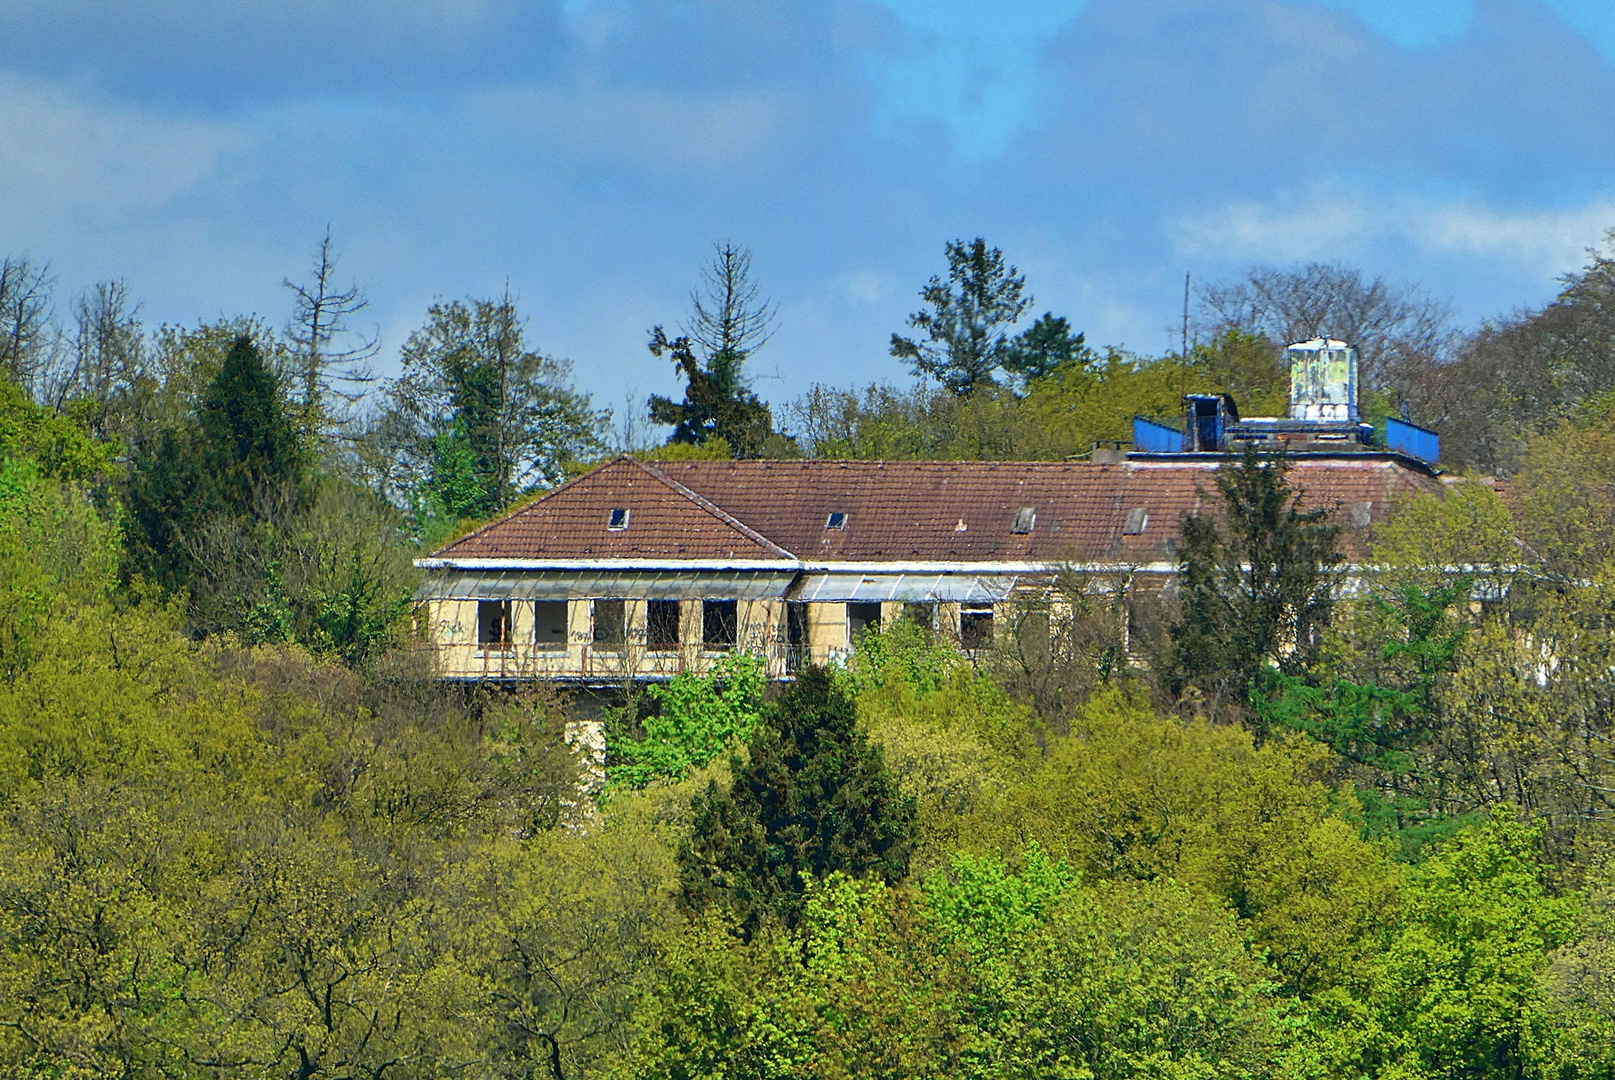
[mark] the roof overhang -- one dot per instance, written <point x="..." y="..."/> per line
<point x="913" y="588"/>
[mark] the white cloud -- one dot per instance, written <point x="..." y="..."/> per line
<point x="66" y="156"/>
<point x="1546" y="240"/>
<point x="1288" y="228"/>
<point x="866" y="286"/>
<point x="1325" y="221"/>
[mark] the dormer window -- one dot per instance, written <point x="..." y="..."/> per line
<point x="1025" y="520"/>
<point x="618" y="521"/>
<point x="837" y="520"/>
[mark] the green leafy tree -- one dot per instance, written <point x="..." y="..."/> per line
<point x="1457" y="988"/>
<point x="469" y="374"/>
<point x="1371" y="723"/>
<point x="729" y="321"/>
<point x="699" y="716"/>
<point x="1255" y="587"/>
<point x="813" y="798"/>
<point x="967" y="320"/>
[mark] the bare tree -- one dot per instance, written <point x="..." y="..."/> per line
<point x="320" y="316"/>
<point x="28" y="338"/>
<point x="728" y="314"/>
<point x="107" y="353"/>
<point x="1397" y="329"/>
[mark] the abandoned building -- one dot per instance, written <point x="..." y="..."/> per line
<point x="641" y="570"/>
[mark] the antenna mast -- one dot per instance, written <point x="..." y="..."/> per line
<point x="1183" y="357"/>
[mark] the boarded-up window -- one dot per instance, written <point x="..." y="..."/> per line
<point x="610" y="623"/>
<point x="719" y="624"/>
<point x="976" y="626"/>
<point x="662" y="624"/>
<point x="493" y="624"/>
<point x="549" y="624"/>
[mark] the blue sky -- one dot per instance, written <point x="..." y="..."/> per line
<point x="589" y="152"/>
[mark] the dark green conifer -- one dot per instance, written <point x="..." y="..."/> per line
<point x="814" y="798"/>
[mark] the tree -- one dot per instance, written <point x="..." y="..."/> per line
<point x="319" y="317"/>
<point x="967" y="320"/>
<point x="26" y="331"/>
<point x="235" y="456"/>
<point x="469" y="374"/>
<point x="108" y="354"/>
<point x="1254" y="588"/>
<point x="814" y="798"/>
<point x="729" y="321"/>
<point x="1397" y="329"/>
<point x="1044" y="348"/>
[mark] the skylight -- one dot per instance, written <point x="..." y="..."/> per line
<point x="618" y="521"/>
<point x="836" y="520"/>
<point x="1025" y="520"/>
<point x="1138" y="519"/>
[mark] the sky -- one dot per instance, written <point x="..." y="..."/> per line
<point x="587" y="154"/>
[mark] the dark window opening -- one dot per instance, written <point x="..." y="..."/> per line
<point x="976" y="626"/>
<point x="859" y="618"/>
<point x="662" y="624"/>
<point x="796" y="624"/>
<point x="611" y="623"/>
<point x="836" y="520"/>
<point x="1025" y="520"/>
<point x="922" y="615"/>
<point x="493" y="624"/>
<point x="720" y="626"/>
<point x="618" y="520"/>
<point x="797" y="653"/>
<point x="549" y="624"/>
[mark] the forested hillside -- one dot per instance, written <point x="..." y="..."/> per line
<point x="1260" y="825"/>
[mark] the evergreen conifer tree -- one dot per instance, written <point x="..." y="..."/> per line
<point x="1254" y="587"/>
<point x="814" y="798"/>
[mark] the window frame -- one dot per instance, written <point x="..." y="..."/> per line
<point x="713" y="616"/>
<point x="549" y="644"/>
<point x="972" y="617"/>
<point x="505" y="618"/>
<point x="653" y="622"/>
<point x="616" y="644"/>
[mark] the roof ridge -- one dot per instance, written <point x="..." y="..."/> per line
<point x="712" y="508"/>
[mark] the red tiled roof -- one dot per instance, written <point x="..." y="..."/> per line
<point x="909" y="511"/>
<point x="665" y="520"/>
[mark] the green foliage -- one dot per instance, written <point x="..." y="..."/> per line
<point x="480" y="418"/>
<point x="729" y="321"/>
<point x="1457" y="988"/>
<point x="1131" y="795"/>
<point x="1045" y="349"/>
<point x="967" y="321"/>
<point x="812" y="799"/>
<point x="717" y="403"/>
<point x="990" y="973"/>
<point x="59" y="443"/>
<point x="1369" y="723"/>
<point x="1254" y="587"/>
<point x="699" y="717"/>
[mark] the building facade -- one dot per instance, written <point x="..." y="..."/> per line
<point x="640" y="571"/>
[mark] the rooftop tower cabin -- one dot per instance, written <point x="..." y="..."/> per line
<point x="1324" y="416"/>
